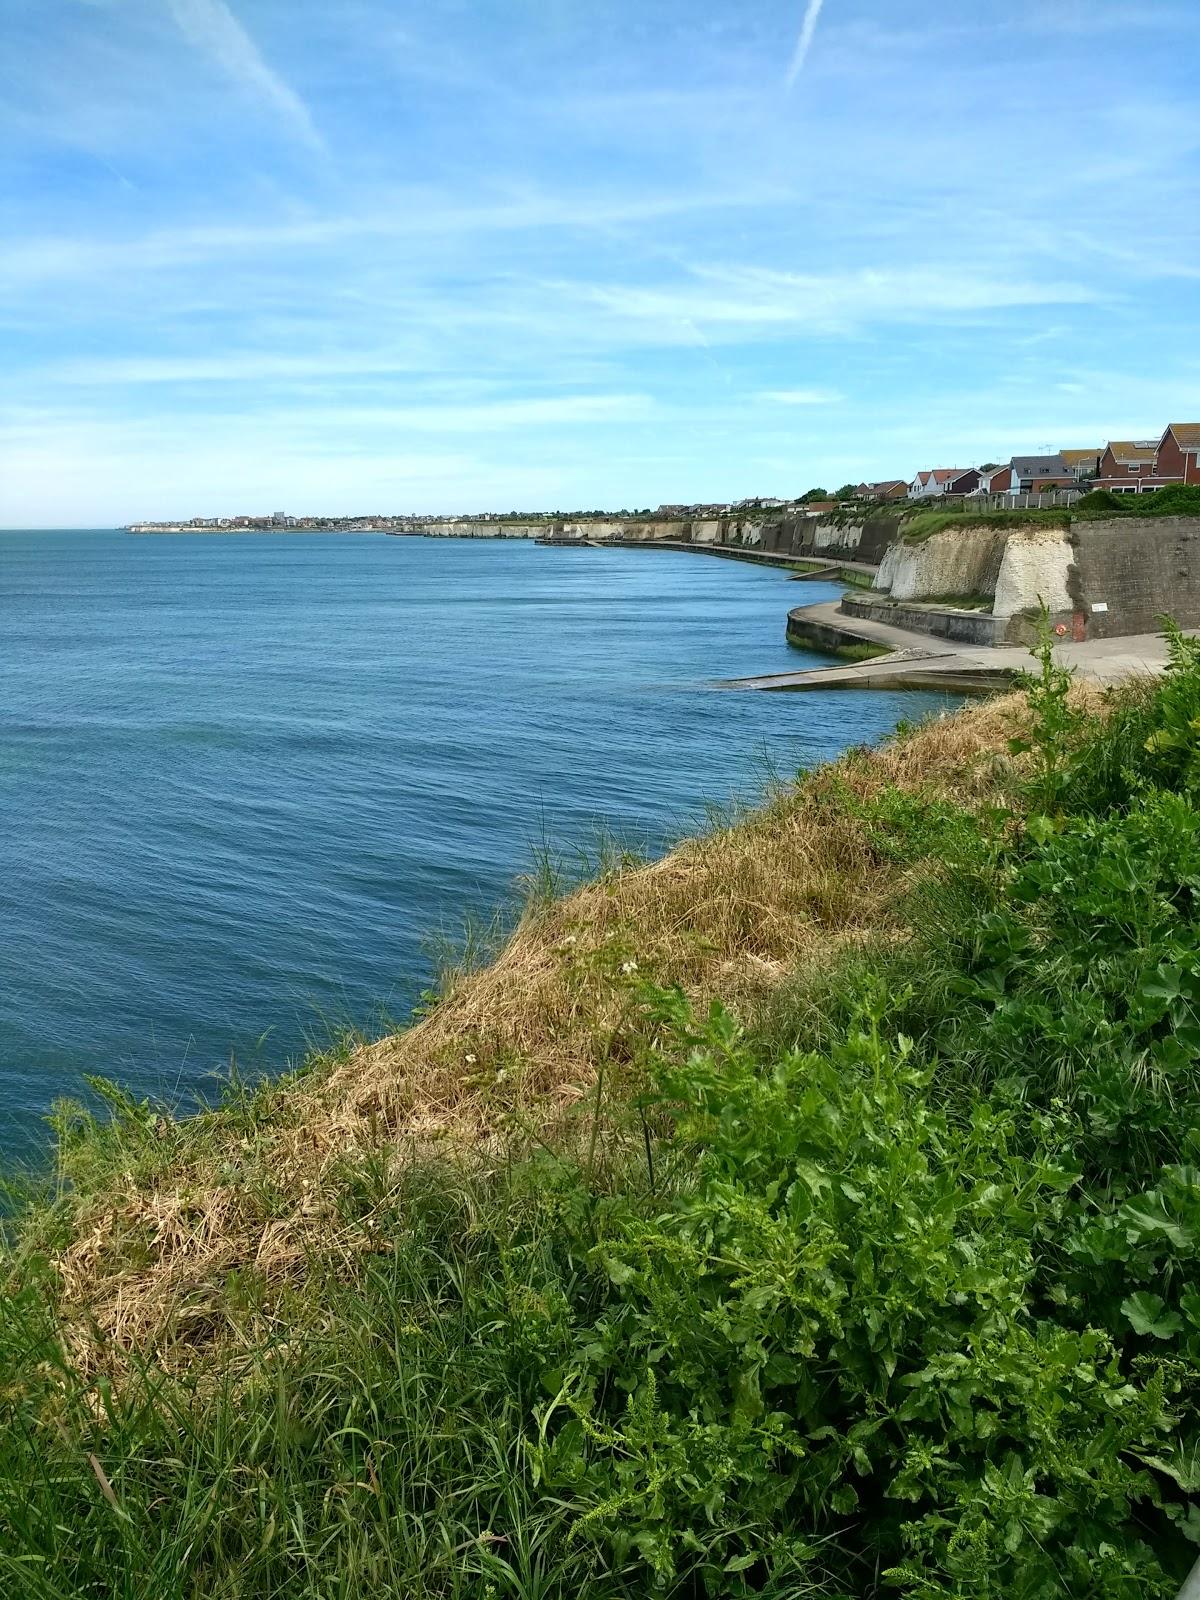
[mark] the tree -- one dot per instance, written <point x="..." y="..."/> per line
<point x="848" y="491"/>
<point x="814" y="494"/>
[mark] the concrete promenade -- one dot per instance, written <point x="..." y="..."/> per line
<point x="916" y="661"/>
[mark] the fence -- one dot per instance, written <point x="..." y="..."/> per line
<point x="1047" y="499"/>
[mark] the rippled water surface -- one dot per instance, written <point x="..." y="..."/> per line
<point x="242" y="779"/>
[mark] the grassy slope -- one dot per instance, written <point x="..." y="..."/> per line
<point x="158" y="1210"/>
<point x="575" y="1287"/>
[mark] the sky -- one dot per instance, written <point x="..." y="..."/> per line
<point x="467" y="255"/>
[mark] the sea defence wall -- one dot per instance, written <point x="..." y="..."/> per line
<point x="469" y="528"/>
<point x="1097" y="579"/>
<point x="799" y="536"/>
<point x="600" y="530"/>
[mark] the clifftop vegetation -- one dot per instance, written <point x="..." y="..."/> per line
<point x="1177" y="500"/>
<point x="813" y="1212"/>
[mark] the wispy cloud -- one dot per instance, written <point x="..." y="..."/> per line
<point x="799" y="397"/>
<point x="808" y="28"/>
<point x="212" y="28"/>
<point x="654" y="278"/>
<point x="746" y="302"/>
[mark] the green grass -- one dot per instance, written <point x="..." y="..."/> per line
<point x="1176" y="500"/>
<point x="860" y="652"/>
<point x="884" y="1287"/>
<point x="923" y="524"/>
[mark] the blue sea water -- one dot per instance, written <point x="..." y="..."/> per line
<point x="243" y="779"/>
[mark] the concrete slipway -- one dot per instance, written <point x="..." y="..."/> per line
<point x="916" y="661"/>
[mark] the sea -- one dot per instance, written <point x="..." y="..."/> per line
<point x="252" y="785"/>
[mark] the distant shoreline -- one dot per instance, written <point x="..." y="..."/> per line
<point x="142" y="529"/>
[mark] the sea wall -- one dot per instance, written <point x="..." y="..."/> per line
<point x="1139" y="570"/>
<point x="746" y="531"/>
<point x="776" y="535"/>
<point x="963" y="627"/>
<point x="1096" y="578"/>
<point x="468" y="528"/>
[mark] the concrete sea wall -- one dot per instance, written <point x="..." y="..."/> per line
<point x="1139" y="570"/>
<point x="776" y="535"/>
<point x="470" y="529"/>
<point x="1097" y="579"/>
<point x="963" y="627"/>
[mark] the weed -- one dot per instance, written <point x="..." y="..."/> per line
<point x="815" y="1211"/>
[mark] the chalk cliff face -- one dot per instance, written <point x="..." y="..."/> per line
<point x="1108" y="576"/>
<point x="1034" y="572"/>
<point x="959" y="561"/>
<point x="482" y="530"/>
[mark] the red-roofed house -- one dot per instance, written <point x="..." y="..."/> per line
<point x="1128" y="466"/>
<point x="995" y="480"/>
<point x="887" y="489"/>
<point x="1177" y="459"/>
<point x="935" y="481"/>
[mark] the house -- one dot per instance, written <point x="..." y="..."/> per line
<point x="1127" y="466"/>
<point x="887" y="489"/>
<point x="932" y="482"/>
<point x="1033" y="473"/>
<point x="966" y="482"/>
<point x="994" y="480"/>
<point x="1177" y="459"/>
<point x="1081" y="463"/>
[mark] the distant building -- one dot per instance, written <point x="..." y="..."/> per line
<point x="1177" y="459"/>
<point x="966" y="482"/>
<point x="1081" y="463"/>
<point x="1033" y="473"/>
<point x="933" y="482"/>
<point x="994" y="480"/>
<point x="1127" y="466"/>
<point x="886" y="489"/>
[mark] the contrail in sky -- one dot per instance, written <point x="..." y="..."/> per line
<point x="804" y="43"/>
<point x="213" y="29"/>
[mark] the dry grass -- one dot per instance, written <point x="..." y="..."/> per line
<point x="154" y="1247"/>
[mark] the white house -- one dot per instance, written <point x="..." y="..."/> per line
<point x="935" y="481"/>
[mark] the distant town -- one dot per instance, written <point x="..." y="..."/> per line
<point x="1122" y="466"/>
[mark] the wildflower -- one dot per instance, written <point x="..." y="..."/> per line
<point x="471" y="1060"/>
<point x="628" y="966"/>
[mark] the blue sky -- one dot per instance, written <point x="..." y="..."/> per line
<point x="354" y="256"/>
